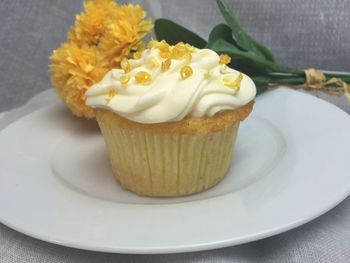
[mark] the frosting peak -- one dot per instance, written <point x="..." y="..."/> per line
<point x="167" y="83"/>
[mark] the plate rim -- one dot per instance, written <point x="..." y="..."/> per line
<point x="187" y="248"/>
<point x="180" y="249"/>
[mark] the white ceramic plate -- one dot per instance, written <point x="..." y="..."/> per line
<point x="290" y="165"/>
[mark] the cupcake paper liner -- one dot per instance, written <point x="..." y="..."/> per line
<point x="168" y="164"/>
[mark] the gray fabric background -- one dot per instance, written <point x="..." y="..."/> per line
<point x="300" y="33"/>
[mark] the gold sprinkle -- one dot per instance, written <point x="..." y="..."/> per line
<point x="152" y="62"/>
<point x="166" y="64"/>
<point x="137" y="55"/>
<point x="164" y="49"/>
<point x="188" y="58"/>
<point x="224" y="59"/>
<point x="165" y="54"/>
<point x="186" y="72"/>
<point x="190" y="48"/>
<point x="233" y="83"/>
<point x="227" y="79"/>
<point x="143" y="78"/>
<point x="164" y="46"/>
<point x="124" y="79"/>
<point x="110" y="95"/>
<point x="179" y="51"/>
<point x="152" y="44"/>
<point x="125" y="65"/>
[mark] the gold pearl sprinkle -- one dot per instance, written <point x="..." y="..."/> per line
<point x="188" y="58"/>
<point x="179" y="51"/>
<point x="124" y="79"/>
<point x="166" y="64"/>
<point x="186" y="72"/>
<point x="110" y="95"/>
<point x="233" y="83"/>
<point x="164" y="54"/>
<point x="152" y="62"/>
<point x="190" y="48"/>
<point x="125" y="65"/>
<point x="152" y="44"/>
<point x="224" y="59"/>
<point x="164" y="49"/>
<point x="164" y="46"/>
<point x="143" y="78"/>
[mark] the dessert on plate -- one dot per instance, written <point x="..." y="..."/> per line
<point x="170" y="118"/>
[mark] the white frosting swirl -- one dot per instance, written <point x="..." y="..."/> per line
<point x="169" y="98"/>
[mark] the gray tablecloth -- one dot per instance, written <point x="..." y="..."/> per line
<point x="300" y="33"/>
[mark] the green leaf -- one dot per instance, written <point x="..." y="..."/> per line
<point x="247" y="67"/>
<point x="224" y="32"/>
<point x="221" y="31"/>
<point x="261" y="84"/>
<point x="173" y="33"/>
<point x="222" y="46"/>
<point x="244" y="40"/>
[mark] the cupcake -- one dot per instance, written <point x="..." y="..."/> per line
<point x="170" y="118"/>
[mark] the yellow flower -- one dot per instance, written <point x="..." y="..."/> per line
<point x="89" y="25"/>
<point x="73" y="70"/>
<point x="122" y="34"/>
<point x="102" y="35"/>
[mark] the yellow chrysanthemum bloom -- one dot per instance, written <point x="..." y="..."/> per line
<point x="102" y="35"/>
<point x="123" y="33"/>
<point x="74" y="69"/>
<point x="89" y="24"/>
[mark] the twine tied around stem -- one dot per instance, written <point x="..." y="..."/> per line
<point x="316" y="80"/>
